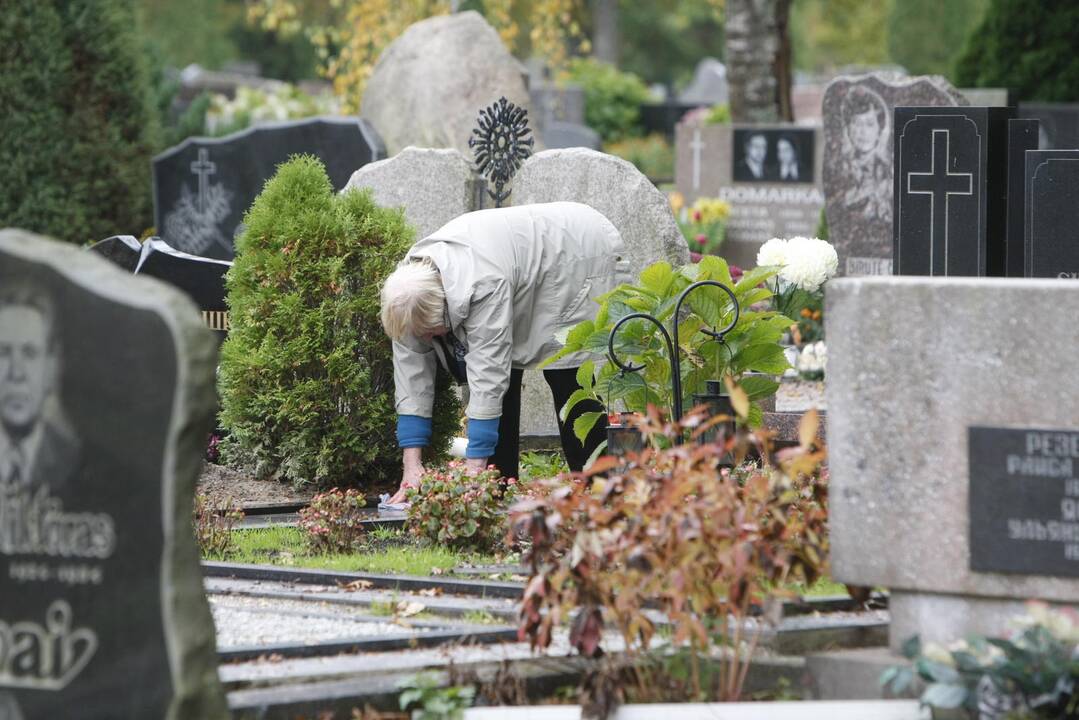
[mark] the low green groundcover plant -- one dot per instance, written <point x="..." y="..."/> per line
<point x="452" y="508"/>
<point x="306" y="375"/>
<point x="1028" y="675"/>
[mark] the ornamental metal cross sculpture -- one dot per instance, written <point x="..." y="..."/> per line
<point x="939" y="184"/>
<point x="501" y="143"/>
<point x="204" y="169"/>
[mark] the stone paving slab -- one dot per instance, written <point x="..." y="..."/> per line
<point x="446" y="605"/>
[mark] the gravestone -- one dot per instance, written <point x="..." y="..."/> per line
<point x="741" y="164"/>
<point x="1059" y="129"/>
<point x="558" y="134"/>
<point x="430" y="83"/>
<point x="951" y="190"/>
<point x="203" y="186"/>
<point x="103" y="615"/>
<point x="202" y="279"/>
<point x="1052" y="214"/>
<point x="628" y="199"/>
<point x="432" y="186"/>
<point x="552" y="102"/>
<point x="121" y="250"/>
<point x="919" y="512"/>
<point x="857" y="164"/>
<point x="709" y="85"/>
<point x="1022" y="136"/>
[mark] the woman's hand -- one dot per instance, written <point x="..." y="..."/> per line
<point x="412" y="474"/>
<point x="474" y="466"/>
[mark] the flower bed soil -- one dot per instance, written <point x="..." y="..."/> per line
<point x="222" y="484"/>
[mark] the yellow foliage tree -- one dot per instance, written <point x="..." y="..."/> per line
<point x="349" y="35"/>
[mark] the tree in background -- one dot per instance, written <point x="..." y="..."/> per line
<point x="831" y="34"/>
<point x="349" y="35"/>
<point x="1028" y="47"/>
<point x="927" y="36"/>
<point x="78" y="127"/>
<point x="663" y="40"/>
<point x="759" y="60"/>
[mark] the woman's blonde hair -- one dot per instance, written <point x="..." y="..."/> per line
<point x="413" y="301"/>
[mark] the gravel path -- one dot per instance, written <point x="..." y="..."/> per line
<point x="245" y="622"/>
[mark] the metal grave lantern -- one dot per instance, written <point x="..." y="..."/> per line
<point x="718" y="402"/>
<point x="500" y="144"/>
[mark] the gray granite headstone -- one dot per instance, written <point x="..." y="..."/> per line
<point x="858" y="161"/>
<point x="709" y="85"/>
<point x="203" y="186"/>
<point x="784" y="201"/>
<point x="906" y="474"/>
<point x="558" y="134"/>
<point x="103" y="615"/>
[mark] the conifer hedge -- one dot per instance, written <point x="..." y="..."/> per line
<point x="1028" y="47"/>
<point x="77" y="127"/>
<point x="306" y="374"/>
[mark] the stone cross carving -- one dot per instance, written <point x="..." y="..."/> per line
<point x="939" y="184"/>
<point x="697" y="146"/>
<point x="204" y="169"/>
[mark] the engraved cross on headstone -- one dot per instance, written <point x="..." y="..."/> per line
<point x="939" y="184"/>
<point x="204" y="169"/>
<point x="697" y="146"/>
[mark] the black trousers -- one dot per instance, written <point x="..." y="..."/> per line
<point x="562" y="384"/>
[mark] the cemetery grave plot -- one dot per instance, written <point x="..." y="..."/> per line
<point x="392" y="628"/>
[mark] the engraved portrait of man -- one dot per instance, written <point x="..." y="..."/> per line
<point x="867" y="151"/>
<point x="753" y="165"/>
<point x="36" y="446"/>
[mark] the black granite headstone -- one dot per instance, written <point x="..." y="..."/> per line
<point x="203" y="186"/>
<point x="1052" y="214"/>
<point x="203" y="279"/>
<point x="102" y="611"/>
<point x="123" y="250"/>
<point x="1024" y="501"/>
<point x="1059" y="128"/>
<point x="950" y="190"/>
<point x="1022" y="136"/>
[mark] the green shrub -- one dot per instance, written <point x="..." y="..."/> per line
<point x="78" y="125"/>
<point x="213" y="523"/>
<point x="453" y="508"/>
<point x="306" y="374"/>
<point x="612" y="99"/>
<point x="718" y="115"/>
<point x="1027" y="47"/>
<point x="333" y="522"/>
<point x="926" y="36"/>
<point x="652" y="155"/>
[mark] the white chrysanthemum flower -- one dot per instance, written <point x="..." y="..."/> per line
<point x="810" y="262"/>
<point x="773" y="252"/>
<point x="813" y="358"/>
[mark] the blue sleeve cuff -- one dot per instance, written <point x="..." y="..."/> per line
<point x="482" y="438"/>
<point x="413" y="431"/>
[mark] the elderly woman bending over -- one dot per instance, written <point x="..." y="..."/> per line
<point x="484" y="296"/>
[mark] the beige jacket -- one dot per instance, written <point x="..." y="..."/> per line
<point x="513" y="278"/>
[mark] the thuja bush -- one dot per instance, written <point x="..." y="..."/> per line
<point x="333" y="522"/>
<point x="670" y="527"/>
<point x="78" y="125"/>
<point x="306" y="374"/>
<point x="452" y="508"/>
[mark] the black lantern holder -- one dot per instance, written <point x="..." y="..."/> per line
<point x="671" y="340"/>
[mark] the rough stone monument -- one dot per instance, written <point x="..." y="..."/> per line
<point x="857" y="153"/>
<point x="433" y="186"/>
<point x="106" y="400"/>
<point x="954" y="447"/>
<point x="431" y="81"/>
<point x="628" y="199"/>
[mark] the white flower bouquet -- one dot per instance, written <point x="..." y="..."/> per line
<point x="805" y="265"/>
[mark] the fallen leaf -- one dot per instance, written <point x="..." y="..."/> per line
<point x="358" y="585"/>
<point x="431" y="592"/>
<point x="406" y="608"/>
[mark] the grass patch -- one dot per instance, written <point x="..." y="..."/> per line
<point x="384" y="552"/>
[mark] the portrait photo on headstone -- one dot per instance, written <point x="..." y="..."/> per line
<point x="773" y="155"/>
